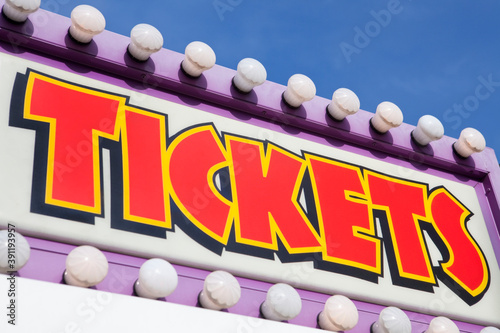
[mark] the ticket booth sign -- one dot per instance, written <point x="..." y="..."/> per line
<point x="85" y="161"/>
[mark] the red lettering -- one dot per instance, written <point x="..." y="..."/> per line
<point x="195" y="156"/>
<point x="144" y="164"/>
<point x="404" y="204"/>
<point x="344" y="215"/>
<point x="78" y="118"/>
<point x="73" y="179"/>
<point x="265" y="184"/>
<point x="466" y="264"/>
<point x="265" y="189"/>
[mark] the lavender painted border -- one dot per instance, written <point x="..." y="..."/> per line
<point x="48" y="258"/>
<point x="37" y="39"/>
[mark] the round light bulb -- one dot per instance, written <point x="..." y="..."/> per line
<point x="15" y="256"/>
<point x="387" y="116"/>
<point x="86" y="266"/>
<point x="249" y="74"/>
<point x="199" y="58"/>
<point x="344" y="103"/>
<point x="86" y="22"/>
<point x="428" y="129"/>
<point x="490" y="329"/>
<point x="144" y="41"/>
<point x="300" y="89"/>
<point x="221" y="290"/>
<point x="470" y="141"/>
<point x="442" y="325"/>
<point x="157" y="279"/>
<point x="282" y="303"/>
<point x="339" y="314"/>
<point x="18" y="10"/>
<point x="392" y="320"/>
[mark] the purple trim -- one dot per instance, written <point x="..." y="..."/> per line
<point x="47" y="263"/>
<point x="491" y="192"/>
<point x="491" y="212"/>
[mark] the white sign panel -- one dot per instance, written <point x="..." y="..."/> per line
<point x="84" y="161"/>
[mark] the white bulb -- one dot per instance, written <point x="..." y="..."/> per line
<point x="157" y="278"/>
<point x="86" y="22"/>
<point x="442" y="325"/>
<point x="387" y="116"/>
<point x="392" y="320"/>
<point x="18" y="10"/>
<point x="199" y="58"/>
<point x="470" y="141"/>
<point x="86" y="266"/>
<point x="282" y="303"/>
<point x="15" y="256"/>
<point x="300" y="89"/>
<point x="339" y="314"/>
<point x="221" y="290"/>
<point x="490" y="329"/>
<point x="249" y="74"/>
<point x="428" y="129"/>
<point x="144" y="41"/>
<point x="344" y="103"/>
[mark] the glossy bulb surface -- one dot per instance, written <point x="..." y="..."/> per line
<point x="86" y="22"/>
<point x="442" y="325"/>
<point x="157" y="279"/>
<point x="221" y="290"/>
<point x="86" y="266"/>
<point x="388" y="115"/>
<point x="18" y="252"/>
<point x="344" y="103"/>
<point x="490" y="329"/>
<point x="144" y="41"/>
<point x="19" y="10"/>
<point x="339" y="314"/>
<point x="470" y="141"/>
<point x="392" y="320"/>
<point x="249" y="74"/>
<point x="428" y="129"/>
<point x="300" y="89"/>
<point x="199" y="57"/>
<point x="282" y="303"/>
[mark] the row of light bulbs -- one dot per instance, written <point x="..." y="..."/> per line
<point x="87" y="266"/>
<point x="87" y="21"/>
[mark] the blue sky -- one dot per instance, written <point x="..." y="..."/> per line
<point x="428" y="57"/>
